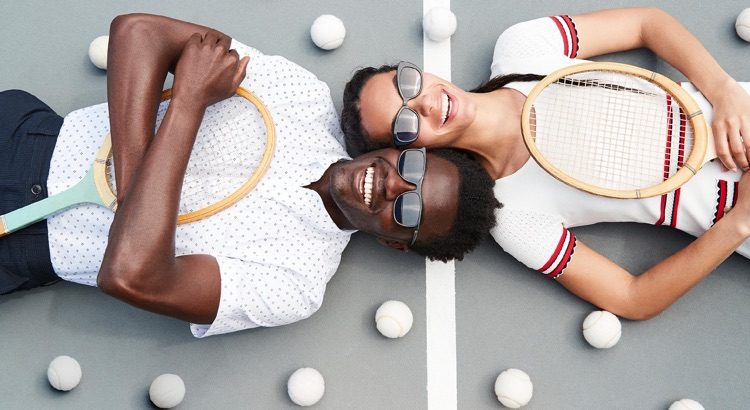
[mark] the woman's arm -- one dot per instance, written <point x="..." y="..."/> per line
<point x="600" y="281"/>
<point x="143" y="48"/>
<point x="139" y="263"/>
<point x="615" y="30"/>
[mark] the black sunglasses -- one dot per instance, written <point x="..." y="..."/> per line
<point x="407" y="210"/>
<point x="406" y="123"/>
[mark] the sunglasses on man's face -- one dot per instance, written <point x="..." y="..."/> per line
<point x="407" y="210"/>
<point x="406" y="124"/>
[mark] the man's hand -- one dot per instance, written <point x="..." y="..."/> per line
<point x="207" y="71"/>
<point x="731" y="126"/>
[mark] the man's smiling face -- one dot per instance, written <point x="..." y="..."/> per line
<point x="365" y="190"/>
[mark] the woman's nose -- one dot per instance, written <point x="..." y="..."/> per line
<point x="422" y="105"/>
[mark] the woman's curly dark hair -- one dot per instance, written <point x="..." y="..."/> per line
<point x="357" y="140"/>
<point x="476" y="210"/>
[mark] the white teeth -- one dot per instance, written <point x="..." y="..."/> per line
<point x="367" y="189"/>
<point x="444" y="107"/>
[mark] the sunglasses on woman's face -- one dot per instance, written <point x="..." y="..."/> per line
<point x="406" y="124"/>
<point x="407" y="210"/>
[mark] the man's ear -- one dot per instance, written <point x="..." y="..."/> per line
<point x="399" y="246"/>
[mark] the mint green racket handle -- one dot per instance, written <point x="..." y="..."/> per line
<point x="82" y="192"/>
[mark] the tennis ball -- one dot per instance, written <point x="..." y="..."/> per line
<point x="439" y="24"/>
<point x="393" y="319"/>
<point x="513" y="388"/>
<point x="602" y="329"/>
<point x="686" y="404"/>
<point x="328" y="32"/>
<point x="167" y="391"/>
<point x="742" y="25"/>
<point x="98" y="51"/>
<point x="306" y="386"/>
<point x="64" y="373"/>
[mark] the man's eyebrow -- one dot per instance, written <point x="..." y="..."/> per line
<point x="395" y="81"/>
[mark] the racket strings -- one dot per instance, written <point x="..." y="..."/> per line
<point x="226" y="152"/>
<point x="611" y="130"/>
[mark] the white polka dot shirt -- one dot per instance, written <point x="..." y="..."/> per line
<point x="276" y="248"/>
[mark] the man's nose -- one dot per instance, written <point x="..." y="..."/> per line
<point x="395" y="186"/>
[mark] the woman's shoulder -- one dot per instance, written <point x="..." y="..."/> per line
<point x="526" y="47"/>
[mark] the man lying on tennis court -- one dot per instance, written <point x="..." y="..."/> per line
<point x="265" y="260"/>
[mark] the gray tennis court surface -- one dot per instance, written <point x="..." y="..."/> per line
<point x="505" y="315"/>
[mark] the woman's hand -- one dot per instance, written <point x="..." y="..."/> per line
<point x="731" y="126"/>
<point x="208" y="71"/>
<point x="741" y="209"/>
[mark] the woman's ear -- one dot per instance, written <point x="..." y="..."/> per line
<point x="399" y="246"/>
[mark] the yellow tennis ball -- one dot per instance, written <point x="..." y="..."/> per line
<point x="98" y="51"/>
<point x="742" y="25"/>
<point x="64" y="373"/>
<point x="513" y="388"/>
<point x="328" y="32"/>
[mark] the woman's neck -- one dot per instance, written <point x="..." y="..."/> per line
<point x="495" y="135"/>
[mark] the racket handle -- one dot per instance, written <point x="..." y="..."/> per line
<point x="83" y="192"/>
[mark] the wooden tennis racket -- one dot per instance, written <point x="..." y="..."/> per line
<point x="217" y="174"/>
<point x="616" y="130"/>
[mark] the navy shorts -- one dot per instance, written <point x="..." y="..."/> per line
<point x="28" y="132"/>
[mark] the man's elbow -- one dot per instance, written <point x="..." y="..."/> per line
<point x="122" y="280"/>
<point x="131" y="27"/>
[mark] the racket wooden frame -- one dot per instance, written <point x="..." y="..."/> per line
<point x="95" y="187"/>
<point x="701" y="153"/>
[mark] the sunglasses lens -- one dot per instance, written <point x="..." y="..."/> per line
<point x="406" y="127"/>
<point x="411" y="166"/>
<point x="409" y="82"/>
<point x="407" y="209"/>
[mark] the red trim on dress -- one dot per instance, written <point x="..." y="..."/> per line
<point x="667" y="158"/>
<point x="565" y="259"/>
<point x="556" y="252"/>
<point x="562" y="33"/>
<point x="573" y="35"/>
<point x="721" y="204"/>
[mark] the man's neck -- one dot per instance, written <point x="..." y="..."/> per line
<point x="323" y="188"/>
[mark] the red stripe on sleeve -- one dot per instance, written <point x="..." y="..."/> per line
<point x="573" y="36"/>
<point x="722" y="201"/>
<point x="562" y="33"/>
<point x="556" y="252"/>
<point x="565" y="259"/>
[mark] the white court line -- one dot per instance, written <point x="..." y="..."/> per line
<point x="440" y="277"/>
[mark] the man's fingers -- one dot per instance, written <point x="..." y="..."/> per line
<point x="241" y="70"/>
<point x="224" y="41"/>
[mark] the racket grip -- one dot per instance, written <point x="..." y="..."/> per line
<point x="82" y="192"/>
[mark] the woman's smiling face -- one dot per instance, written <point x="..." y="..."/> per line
<point x="444" y="110"/>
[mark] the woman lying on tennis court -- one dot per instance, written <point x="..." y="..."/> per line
<point x="401" y="106"/>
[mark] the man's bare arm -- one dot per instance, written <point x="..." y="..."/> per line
<point x="139" y="264"/>
<point x="143" y="48"/>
